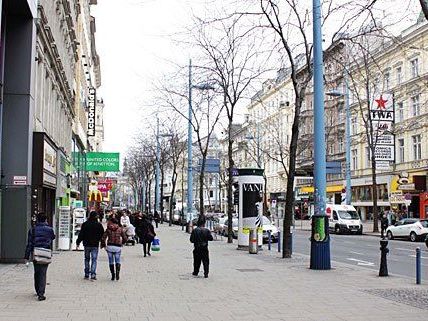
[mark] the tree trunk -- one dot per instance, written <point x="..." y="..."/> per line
<point x="174" y="182"/>
<point x="374" y="196"/>
<point x="150" y="196"/>
<point x="287" y="250"/>
<point x="201" y="186"/>
<point x="229" y="185"/>
<point x="265" y="196"/>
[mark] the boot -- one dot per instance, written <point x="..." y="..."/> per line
<point x="117" y="271"/>
<point x="112" y="272"/>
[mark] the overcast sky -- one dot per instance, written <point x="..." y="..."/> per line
<point x="134" y="41"/>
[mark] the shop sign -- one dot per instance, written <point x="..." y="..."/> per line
<point x="102" y="162"/>
<point x="19" y="180"/>
<point x="397" y="198"/>
<point x="383" y="165"/>
<point x="384" y="153"/>
<point x="385" y="140"/>
<point x="91" y="111"/>
<point x="49" y="158"/>
<point x="49" y="179"/>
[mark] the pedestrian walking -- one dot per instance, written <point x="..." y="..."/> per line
<point x="91" y="234"/>
<point x="200" y="237"/>
<point x="112" y="240"/>
<point x="39" y="240"/>
<point x="146" y="234"/>
<point x="156" y="218"/>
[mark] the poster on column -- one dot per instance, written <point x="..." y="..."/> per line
<point x="252" y="205"/>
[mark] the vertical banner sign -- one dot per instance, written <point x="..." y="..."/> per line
<point x="252" y="205"/>
<point x="91" y="111"/>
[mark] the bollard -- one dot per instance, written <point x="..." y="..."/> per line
<point x="269" y="240"/>
<point x="418" y="265"/>
<point x="383" y="269"/>
<point x="253" y="240"/>
<point x="279" y="241"/>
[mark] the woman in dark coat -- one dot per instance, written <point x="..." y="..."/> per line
<point x="146" y="234"/>
<point x="41" y="235"/>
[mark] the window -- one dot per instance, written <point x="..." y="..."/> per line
<point x="414" y="67"/>
<point x="400" y="111"/>
<point x="417" y="147"/>
<point x="335" y="217"/>
<point x="211" y="194"/>
<point x="386" y="81"/>
<point x="367" y="157"/>
<point x="341" y="114"/>
<point x="354" y="159"/>
<point x="399" y="74"/>
<point x="340" y="149"/>
<point x="416" y="108"/>
<point x="401" y="150"/>
<point x="353" y="125"/>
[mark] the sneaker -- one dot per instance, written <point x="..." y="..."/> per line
<point x="86" y="277"/>
<point x="195" y="274"/>
<point x="93" y="278"/>
<point x="41" y="298"/>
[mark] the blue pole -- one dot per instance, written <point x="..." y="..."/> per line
<point x="418" y="265"/>
<point x="279" y="241"/>
<point x="189" y="152"/>
<point x="157" y="192"/>
<point x="320" y="242"/>
<point x="269" y="241"/>
<point x="348" y="142"/>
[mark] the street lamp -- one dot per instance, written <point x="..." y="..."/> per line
<point x="190" y="144"/>
<point x="320" y="240"/>
<point x="347" y="138"/>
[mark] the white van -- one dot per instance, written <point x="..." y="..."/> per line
<point x="343" y="219"/>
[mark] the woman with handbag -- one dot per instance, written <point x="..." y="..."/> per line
<point x="39" y="246"/>
<point x="146" y="234"/>
<point x="113" y="239"/>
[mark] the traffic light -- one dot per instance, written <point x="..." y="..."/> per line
<point x="235" y="193"/>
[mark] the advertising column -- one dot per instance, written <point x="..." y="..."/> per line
<point x="250" y="207"/>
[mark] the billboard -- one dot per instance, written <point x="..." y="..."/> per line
<point x="102" y="162"/>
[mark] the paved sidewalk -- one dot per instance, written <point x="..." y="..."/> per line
<point x="240" y="287"/>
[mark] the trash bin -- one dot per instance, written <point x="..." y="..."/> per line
<point x="253" y="242"/>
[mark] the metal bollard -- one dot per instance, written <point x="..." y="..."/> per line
<point x="383" y="269"/>
<point x="269" y="240"/>
<point x="279" y="241"/>
<point x="253" y="246"/>
<point x="418" y="265"/>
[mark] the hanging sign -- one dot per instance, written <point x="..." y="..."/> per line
<point x="91" y="111"/>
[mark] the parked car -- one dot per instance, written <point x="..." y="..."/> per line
<point x="343" y="219"/>
<point x="234" y="227"/>
<point x="268" y="226"/>
<point x="409" y="228"/>
<point x="219" y="226"/>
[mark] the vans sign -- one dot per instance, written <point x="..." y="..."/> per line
<point x="91" y="111"/>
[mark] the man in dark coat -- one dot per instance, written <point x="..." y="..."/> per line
<point x="200" y="237"/>
<point x="91" y="234"/>
<point x="41" y="235"/>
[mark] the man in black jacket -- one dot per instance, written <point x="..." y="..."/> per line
<point x="91" y="234"/>
<point x="200" y="237"/>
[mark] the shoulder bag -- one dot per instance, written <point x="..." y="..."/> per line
<point x="40" y="254"/>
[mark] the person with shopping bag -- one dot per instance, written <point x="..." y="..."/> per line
<point x="39" y="248"/>
<point x="146" y="234"/>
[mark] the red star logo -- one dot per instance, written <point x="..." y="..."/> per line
<point x="381" y="103"/>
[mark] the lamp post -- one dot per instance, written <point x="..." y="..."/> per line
<point x="157" y="173"/>
<point x="320" y="241"/>
<point x="347" y="137"/>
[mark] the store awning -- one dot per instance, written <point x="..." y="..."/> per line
<point x="329" y="189"/>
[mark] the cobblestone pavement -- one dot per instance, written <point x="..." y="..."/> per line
<point x="240" y="287"/>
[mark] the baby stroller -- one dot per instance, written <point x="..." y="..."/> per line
<point x="130" y="233"/>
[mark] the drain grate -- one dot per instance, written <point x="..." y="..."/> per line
<point x="249" y="270"/>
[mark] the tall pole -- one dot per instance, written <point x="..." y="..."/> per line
<point x="157" y="187"/>
<point x="259" y="164"/>
<point x="189" y="152"/>
<point x="348" y="141"/>
<point x="320" y="241"/>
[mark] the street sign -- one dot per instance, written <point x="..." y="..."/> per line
<point x="333" y="167"/>
<point x="383" y="165"/>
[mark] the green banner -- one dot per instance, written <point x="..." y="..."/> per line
<point x="102" y="162"/>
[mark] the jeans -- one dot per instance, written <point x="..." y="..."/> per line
<point x="113" y="253"/>
<point x="91" y="255"/>
<point x="40" y="278"/>
<point x="201" y="254"/>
